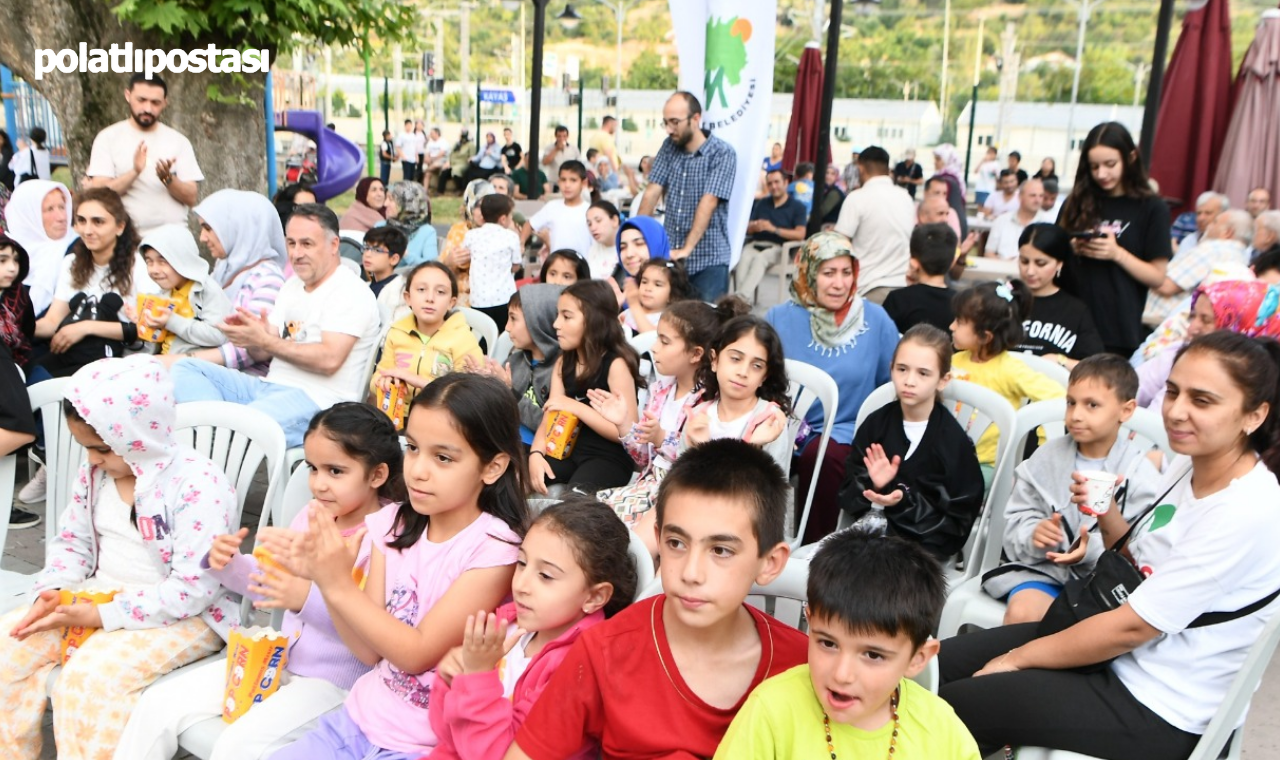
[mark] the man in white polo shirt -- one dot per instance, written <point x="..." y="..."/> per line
<point x="152" y="166"/>
<point x="319" y="335"/>
<point x="1002" y="242"/>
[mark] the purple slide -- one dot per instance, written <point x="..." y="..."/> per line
<point x="339" y="162"/>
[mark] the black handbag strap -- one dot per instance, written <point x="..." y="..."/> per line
<point x="1119" y="545"/>
<point x="1214" y="618"/>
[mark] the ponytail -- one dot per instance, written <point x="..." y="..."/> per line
<point x="1266" y="439"/>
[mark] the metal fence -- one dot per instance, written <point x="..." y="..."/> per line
<point x="30" y="110"/>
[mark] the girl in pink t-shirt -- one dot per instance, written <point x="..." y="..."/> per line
<point x="574" y="571"/>
<point x="448" y="551"/>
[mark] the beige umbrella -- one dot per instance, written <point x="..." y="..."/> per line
<point x="1251" y="154"/>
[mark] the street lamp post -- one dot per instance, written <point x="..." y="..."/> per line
<point x="568" y="19"/>
<point x="1084" y="7"/>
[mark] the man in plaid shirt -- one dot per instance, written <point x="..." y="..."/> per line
<point x="693" y="174"/>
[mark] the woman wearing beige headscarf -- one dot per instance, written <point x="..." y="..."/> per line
<point x="828" y="325"/>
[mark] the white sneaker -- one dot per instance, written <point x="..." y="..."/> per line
<point x="34" y="492"/>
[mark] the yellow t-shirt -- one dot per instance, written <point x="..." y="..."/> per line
<point x="783" y="719"/>
<point x="181" y="298"/>
<point x="1011" y="378"/>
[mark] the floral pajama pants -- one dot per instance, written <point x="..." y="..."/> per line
<point x="95" y="692"/>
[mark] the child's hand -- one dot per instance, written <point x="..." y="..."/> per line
<point x="225" y="548"/>
<point x="880" y="468"/>
<point x="157" y="319"/>
<point x="461" y="256"/>
<point x="768" y="431"/>
<point x="650" y="431"/>
<point x="282" y="544"/>
<point x="450" y="665"/>
<point x="43" y="606"/>
<point x="483" y="645"/>
<point x="1048" y="533"/>
<point x="62" y="616"/>
<point x="322" y="554"/>
<point x="279" y="590"/>
<point x="609" y="405"/>
<point x="540" y="472"/>
<point x="1074" y="554"/>
<point x="495" y="368"/>
<point x="563" y="404"/>
<point x="698" y="429"/>
<point x="884" y="500"/>
<point x="616" y="291"/>
<point x="69" y="335"/>
<point x="631" y="292"/>
<point x="1080" y="493"/>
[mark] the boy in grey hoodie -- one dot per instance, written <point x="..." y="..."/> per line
<point x="197" y="303"/>
<point x="1043" y="526"/>
<point x="531" y="316"/>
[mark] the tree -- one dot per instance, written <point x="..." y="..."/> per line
<point x="339" y="101"/>
<point x="648" y="73"/>
<point x="222" y="114"/>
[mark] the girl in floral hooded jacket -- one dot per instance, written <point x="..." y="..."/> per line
<point x="142" y="515"/>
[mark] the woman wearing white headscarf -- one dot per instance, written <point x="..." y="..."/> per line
<point x="242" y="231"/>
<point x="39" y="218"/>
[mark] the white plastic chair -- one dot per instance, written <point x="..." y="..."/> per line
<point x="238" y="439"/>
<point x="645" y="571"/>
<point x="1221" y="739"/>
<point x="809" y="385"/>
<point x="482" y="326"/>
<point x="785" y="267"/>
<point x="976" y="408"/>
<point x="968" y="604"/>
<point x="1054" y="371"/>
<point x="502" y="348"/>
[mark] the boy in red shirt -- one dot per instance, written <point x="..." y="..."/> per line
<point x="664" y="677"/>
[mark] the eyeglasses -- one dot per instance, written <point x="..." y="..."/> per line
<point x="674" y="123"/>
<point x="374" y="249"/>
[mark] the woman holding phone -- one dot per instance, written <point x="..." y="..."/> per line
<point x="1120" y="232"/>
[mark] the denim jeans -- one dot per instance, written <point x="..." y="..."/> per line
<point x="711" y="283"/>
<point x="196" y="380"/>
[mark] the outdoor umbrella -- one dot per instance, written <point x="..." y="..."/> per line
<point x="1196" y="105"/>
<point x="1251" y="153"/>
<point x="806" y="109"/>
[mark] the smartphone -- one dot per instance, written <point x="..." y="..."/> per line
<point x="1088" y="235"/>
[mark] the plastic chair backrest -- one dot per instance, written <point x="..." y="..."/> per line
<point x="502" y="348"/>
<point x="296" y="495"/>
<point x="1054" y="371"/>
<point x="8" y="480"/>
<point x="643" y="344"/>
<point x="808" y="385"/>
<point x="645" y="571"/>
<point x="482" y="326"/>
<point x="371" y="364"/>
<point x="239" y="440"/>
<point x="63" y="455"/>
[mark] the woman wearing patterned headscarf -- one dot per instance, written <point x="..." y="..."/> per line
<point x="1248" y="307"/>
<point x="828" y="325"/>
<point x="413" y="217"/>
<point x="948" y="166"/>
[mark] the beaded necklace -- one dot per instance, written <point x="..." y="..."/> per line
<point x="893" y="741"/>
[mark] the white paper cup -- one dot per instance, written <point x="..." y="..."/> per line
<point x="1102" y="486"/>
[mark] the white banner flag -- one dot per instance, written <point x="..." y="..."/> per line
<point x="726" y="59"/>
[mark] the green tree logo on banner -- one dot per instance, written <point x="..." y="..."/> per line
<point x="726" y="55"/>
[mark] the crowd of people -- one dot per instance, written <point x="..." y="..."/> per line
<point x="436" y="606"/>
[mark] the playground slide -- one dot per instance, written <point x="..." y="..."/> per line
<point x="339" y="162"/>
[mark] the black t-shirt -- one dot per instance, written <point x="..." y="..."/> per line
<point x="512" y="153"/>
<point x="15" y="404"/>
<point x="1113" y="298"/>
<point x="1060" y="324"/>
<point x="1021" y="175"/>
<point x="915" y="304"/>
<point x="789" y="215"/>
<point x="914" y="172"/>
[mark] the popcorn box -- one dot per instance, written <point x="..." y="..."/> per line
<point x="255" y="662"/>
<point x="562" y="433"/>
<point x="392" y="403"/>
<point x="265" y="559"/>
<point x="73" y="637"/>
<point x="150" y="304"/>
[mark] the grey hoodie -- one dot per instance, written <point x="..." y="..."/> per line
<point x="532" y="381"/>
<point x="208" y="301"/>
<point x="1042" y="486"/>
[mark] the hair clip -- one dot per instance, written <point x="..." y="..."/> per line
<point x="1004" y="291"/>
<point x="1267" y="310"/>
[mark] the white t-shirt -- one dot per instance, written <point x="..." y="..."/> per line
<point x="341" y="304"/>
<point x="515" y="663"/>
<point x="437" y="148"/>
<point x="997" y="204"/>
<point x="878" y="217"/>
<point x="30" y="160"/>
<point x="1005" y="231"/>
<point x="147" y="201"/>
<point x="1216" y="554"/>
<point x="407" y="146"/>
<point x="987" y="175"/>
<point x="125" y="562"/>
<point x="602" y="259"/>
<point x="492" y="250"/>
<point x="568" y="225"/>
<point x="65" y="290"/>
<point x="914" y="432"/>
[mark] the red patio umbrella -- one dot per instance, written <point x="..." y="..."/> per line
<point x="1251" y="152"/>
<point x="806" y="108"/>
<point x="1195" y="108"/>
